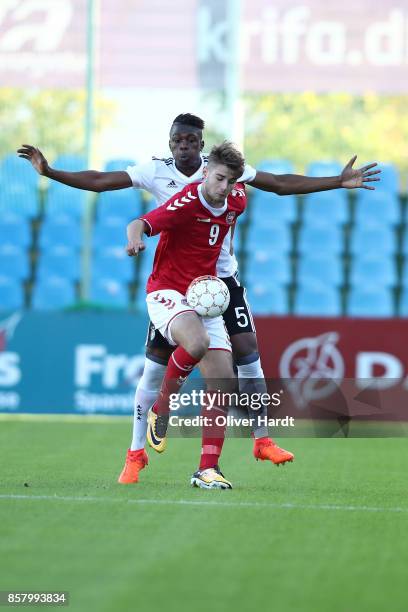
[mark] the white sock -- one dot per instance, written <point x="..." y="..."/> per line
<point x="146" y="393"/>
<point x="251" y="380"/>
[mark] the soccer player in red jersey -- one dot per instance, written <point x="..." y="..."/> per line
<point x="193" y="225"/>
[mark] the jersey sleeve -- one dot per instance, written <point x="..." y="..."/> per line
<point x="172" y="214"/>
<point x="142" y="175"/>
<point x="248" y="175"/>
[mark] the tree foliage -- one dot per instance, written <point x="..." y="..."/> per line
<point x="53" y="120"/>
<point x="309" y="126"/>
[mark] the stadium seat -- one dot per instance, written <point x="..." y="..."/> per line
<point x="15" y="170"/>
<point x="64" y="200"/>
<point x="326" y="269"/>
<point x="109" y="292"/>
<point x="324" y="240"/>
<point x="14" y="262"/>
<point x="267" y="298"/>
<point x="274" y="237"/>
<point x="377" y="209"/>
<point x="53" y="293"/>
<point x="19" y="199"/>
<point x="373" y="270"/>
<point x="110" y="232"/>
<point x="14" y="230"/>
<point x="276" y="166"/>
<point x="114" y="263"/>
<point x="325" y="208"/>
<point x="373" y="241"/>
<point x="125" y="204"/>
<point x="317" y="300"/>
<point x="11" y="293"/>
<point x="264" y="206"/>
<point x="370" y="302"/>
<point x="70" y="163"/>
<point x="114" y="165"/>
<point x="390" y="179"/>
<point x="263" y="265"/>
<point x="59" y="261"/>
<point x="324" y="168"/>
<point x="403" y="303"/>
<point x="61" y="230"/>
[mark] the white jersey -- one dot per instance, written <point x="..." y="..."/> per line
<point x="162" y="179"/>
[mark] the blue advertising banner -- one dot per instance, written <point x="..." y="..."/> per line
<point x="70" y="362"/>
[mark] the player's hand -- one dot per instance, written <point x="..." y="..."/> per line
<point x="35" y="156"/>
<point x="135" y="247"/>
<point x="352" y="179"/>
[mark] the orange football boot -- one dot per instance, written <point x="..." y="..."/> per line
<point x="265" y="449"/>
<point x="135" y="461"/>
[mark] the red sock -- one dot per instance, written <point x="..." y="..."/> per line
<point x="179" y="367"/>
<point x="213" y="438"/>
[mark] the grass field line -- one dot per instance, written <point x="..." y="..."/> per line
<point x="188" y="502"/>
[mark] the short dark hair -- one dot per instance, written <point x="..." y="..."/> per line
<point x="227" y="154"/>
<point x="189" y="119"/>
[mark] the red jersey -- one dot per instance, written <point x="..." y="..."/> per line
<point x="191" y="236"/>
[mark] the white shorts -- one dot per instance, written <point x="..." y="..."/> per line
<point x="165" y="305"/>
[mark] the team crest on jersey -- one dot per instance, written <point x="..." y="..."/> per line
<point x="230" y="218"/>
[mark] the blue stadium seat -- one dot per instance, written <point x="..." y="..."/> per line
<point x="390" y="179"/>
<point x="264" y="206"/>
<point x="70" y="163"/>
<point x="125" y="204"/>
<point x="64" y="200"/>
<point x="325" y="208"/>
<point x="276" y="166"/>
<point x="11" y="293"/>
<point x="370" y="302"/>
<point x="327" y="239"/>
<point x="405" y="273"/>
<point x="405" y="242"/>
<point x="324" y="168"/>
<point x="61" y="230"/>
<point x="317" y="300"/>
<point x="14" y="262"/>
<point x="109" y="292"/>
<point x="326" y="269"/>
<point x="110" y="232"/>
<point x="59" y="261"/>
<point x="113" y="262"/>
<point x="276" y="237"/>
<point x="263" y="265"/>
<point x="14" y="230"/>
<point x="19" y="199"/>
<point x="53" y="293"/>
<point x="114" y="165"/>
<point x="373" y="270"/>
<point x="15" y="170"/>
<point x="403" y="303"/>
<point x="267" y="298"/>
<point x="377" y="208"/>
<point x="373" y="241"/>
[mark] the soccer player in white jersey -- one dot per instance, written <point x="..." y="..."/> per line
<point x="163" y="178"/>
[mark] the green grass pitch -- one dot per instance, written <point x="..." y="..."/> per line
<point x="326" y="533"/>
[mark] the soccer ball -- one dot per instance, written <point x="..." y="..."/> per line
<point x="208" y="295"/>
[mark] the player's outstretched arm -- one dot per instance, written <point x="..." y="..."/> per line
<point x="135" y="231"/>
<point x="287" y="184"/>
<point x="91" y="180"/>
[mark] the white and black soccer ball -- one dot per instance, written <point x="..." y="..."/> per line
<point x="208" y="295"/>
